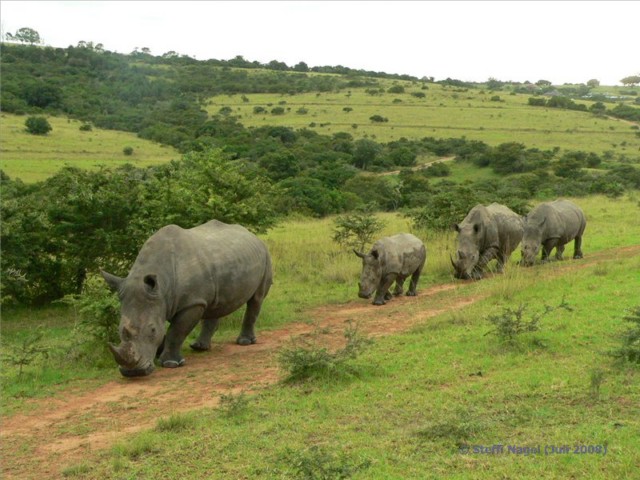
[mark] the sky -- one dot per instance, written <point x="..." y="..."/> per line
<point x="559" y="41"/>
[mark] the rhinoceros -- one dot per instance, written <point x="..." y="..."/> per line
<point x="182" y="276"/>
<point x="552" y="225"/>
<point x="391" y="259"/>
<point x="487" y="232"/>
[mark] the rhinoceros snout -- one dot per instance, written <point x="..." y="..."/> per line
<point x="137" y="372"/>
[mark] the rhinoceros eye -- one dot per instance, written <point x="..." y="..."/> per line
<point x="151" y="282"/>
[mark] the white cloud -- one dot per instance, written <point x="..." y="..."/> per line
<point x="557" y="41"/>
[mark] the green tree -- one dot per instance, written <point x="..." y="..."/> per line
<point x="357" y="229"/>
<point x="38" y="125"/>
<point x="630" y="81"/>
<point x="25" y="35"/>
<point x="365" y="153"/>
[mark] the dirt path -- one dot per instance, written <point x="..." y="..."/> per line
<point x="61" y="431"/>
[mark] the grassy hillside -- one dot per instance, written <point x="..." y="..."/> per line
<point x="36" y="157"/>
<point x="443" y="112"/>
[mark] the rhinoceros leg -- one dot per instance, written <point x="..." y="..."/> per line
<point x="559" y="252"/>
<point x="181" y="326"/>
<point x="577" y="248"/>
<point x="413" y="283"/>
<point x="208" y="328"/>
<point x="547" y="246"/>
<point x="247" y="334"/>
<point x="383" y="290"/>
<point x="399" y="285"/>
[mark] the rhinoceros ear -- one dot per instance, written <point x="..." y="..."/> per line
<point x="113" y="281"/>
<point x="455" y="227"/>
<point x="375" y="254"/>
<point x="476" y="227"/>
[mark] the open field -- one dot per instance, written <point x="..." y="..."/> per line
<point x="433" y="386"/>
<point x="36" y="157"/>
<point x="444" y="112"/>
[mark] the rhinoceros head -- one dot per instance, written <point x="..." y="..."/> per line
<point x="468" y="254"/>
<point x="531" y="240"/>
<point x="142" y="319"/>
<point x="371" y="273"/>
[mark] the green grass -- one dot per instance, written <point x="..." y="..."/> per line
<point x="422" y="398"/>
<point x="416" y="398"/>
<point x="444" y="112"/>
<point x="37" y="157"/>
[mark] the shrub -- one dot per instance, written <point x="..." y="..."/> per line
<point x="98" y="315"/>
<point x="308" y="360"/>
<point x="128" y="151"/>
<point x="511" y="323"/>
<point x="629" y="351"/>
<point x="317" y="463"/>
<point x="85" y="127"/>
<point x="258" y="109"/>
<point x="38" y="125"/>
<point x="27" y="352"/>
<point x="378" y="118"/>
<point x="277" y="111"/>
<point x="357" y="229"/>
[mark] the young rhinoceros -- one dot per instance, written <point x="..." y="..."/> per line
<point x="182" y="276"/>
<point x="487" y="232"/>
<point x="391" y="259"/>
<point x="552" y="225"/>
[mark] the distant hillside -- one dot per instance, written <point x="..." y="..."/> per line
<point x="167" y="99"/>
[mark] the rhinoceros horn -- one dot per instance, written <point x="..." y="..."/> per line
<point x="452" y="262"/>
<point x="360" y="254"/>
<point x="124" y="356"/>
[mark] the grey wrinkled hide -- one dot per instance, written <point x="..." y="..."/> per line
<point x="552" y="225"/>
<point x="487" y="232"/>
<point x="391" y="259"/>
<point x="182" y="276"/>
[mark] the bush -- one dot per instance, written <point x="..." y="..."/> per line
<point x="357" y="229"/>
<point x="511" y="323"/>
<point x="629" y="351"/>
<point x="38" y="125"/>
<point x="277" y="111"/>
<point x="310" y="361"/>
<point x="378" y="119"/>
<point x="85" y="127"/>
<point x="128" y="151"/>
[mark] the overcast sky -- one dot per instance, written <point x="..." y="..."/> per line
<point x="564" y="42"/>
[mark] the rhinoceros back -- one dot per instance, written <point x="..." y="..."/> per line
<point x="569" y="221"/>
<point x="216" y="264"/>
<point x="402" y="253"/>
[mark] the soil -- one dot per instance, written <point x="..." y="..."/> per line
<point x="58" y="432"/>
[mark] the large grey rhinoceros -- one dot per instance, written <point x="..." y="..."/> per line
<point x="487" y="232"/>
<point x="182" y="276"/>
<point x="552" y="225"/>
<point x="391" y="259"/>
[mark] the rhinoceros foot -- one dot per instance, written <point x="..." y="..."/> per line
<point x="200" y="347"/>
<point x="173" y="363"/>
<point x="577" y="256"/>
<point x="379" y="301"/>
<point x="411" y="293"/>
<point x="244" y="341"/>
